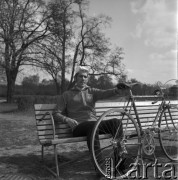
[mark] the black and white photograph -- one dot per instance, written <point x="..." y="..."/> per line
<point x="88" y="89"/>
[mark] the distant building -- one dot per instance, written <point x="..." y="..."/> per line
<point x="3" y="80"/>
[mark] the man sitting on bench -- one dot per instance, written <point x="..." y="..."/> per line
<point x="79" y="103"/>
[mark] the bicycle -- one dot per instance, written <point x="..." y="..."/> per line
<point x="135" y="139"/>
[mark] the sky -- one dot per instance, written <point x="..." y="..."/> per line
<point x="147" y="30"/>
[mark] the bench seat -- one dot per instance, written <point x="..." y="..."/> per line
<point x="70" y="140"/>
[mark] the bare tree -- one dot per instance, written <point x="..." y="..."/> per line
<point x="57" y="49"/>
<point x="22" y="23"/>
<point x="48" y="58"/>
<point x="110" y="64"/>
<point x="61" y="26"/>
<point x="77" y="39"/>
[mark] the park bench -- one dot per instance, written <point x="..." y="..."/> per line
<point x="53" y="134"/>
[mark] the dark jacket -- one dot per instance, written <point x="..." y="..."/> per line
<point x="80" y="104"/>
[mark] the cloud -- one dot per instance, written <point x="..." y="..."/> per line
<point x="168" y="56"/>
<point x="139" y="31"/>
<point x="156" y="22"/>
<point x="164" y="64"/>
<point x="158" y="67"/>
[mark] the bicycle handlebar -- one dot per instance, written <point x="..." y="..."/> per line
<point x="163" y="86"/>
<point x="130" y="85"/>
<point x="159" y="84"/>
<point x="157" y="92"/>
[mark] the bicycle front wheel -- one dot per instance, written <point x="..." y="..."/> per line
<point x="168" y="132"/>
<point x="117" y="155"/>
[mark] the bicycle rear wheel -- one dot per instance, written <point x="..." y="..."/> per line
<point x="168" y="132"/>
<point x="109" y="157"/>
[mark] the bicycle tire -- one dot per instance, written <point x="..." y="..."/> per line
<point x="168" y="132"/>
<point x="131" y="143"/>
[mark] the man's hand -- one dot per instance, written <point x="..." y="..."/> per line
<point x="122" y="86"/>
<point x="71" y="122"/>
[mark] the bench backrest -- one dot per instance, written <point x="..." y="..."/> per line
<point x="146" y="112"/>
<point x="45" y="127"/>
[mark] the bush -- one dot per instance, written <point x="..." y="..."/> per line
<point x="26" y="102"/>
<point x="3" y="90"/>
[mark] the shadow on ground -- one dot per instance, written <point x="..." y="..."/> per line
<point x="32" y="166"/>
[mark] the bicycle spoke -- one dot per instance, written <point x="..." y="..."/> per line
<point x="168" y="133"/>
<point x="120" y="143"/>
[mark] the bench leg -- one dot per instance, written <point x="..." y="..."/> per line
<point x="42" y="153"/>
<point x="56" y="161"/>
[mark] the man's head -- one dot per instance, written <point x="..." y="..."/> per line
<point x="81" y="76"/>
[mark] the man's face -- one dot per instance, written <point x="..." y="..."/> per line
<point x="82" y="79"/>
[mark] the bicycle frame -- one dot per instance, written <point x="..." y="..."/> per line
<point x="133" y="105"/>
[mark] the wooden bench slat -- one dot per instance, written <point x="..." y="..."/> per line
<point x="49" y="122"/>
<point x="62" y="140"/>
<point x="47" y="117"/>
<point x="58" y="131"/>
<point x="44" y="106"/>
<point x="58" y="136"/>
<point x="148" y="107"/>
<point x="77" y="139"/>
<point x="141" y="116"/>
<point x="46" y="125"/>
<point x="43" y="111"/>
<point x="49" y="126"/>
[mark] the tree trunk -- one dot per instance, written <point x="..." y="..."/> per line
<point x="71" y="83"/>
<point x="11" y="78"/>
<point x="58" y="89"/>
<point x="63" y="82"/>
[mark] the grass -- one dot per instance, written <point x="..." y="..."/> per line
<point x="7" y="107"/>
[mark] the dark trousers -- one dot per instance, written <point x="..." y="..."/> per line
<point x="108" y="126"/>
